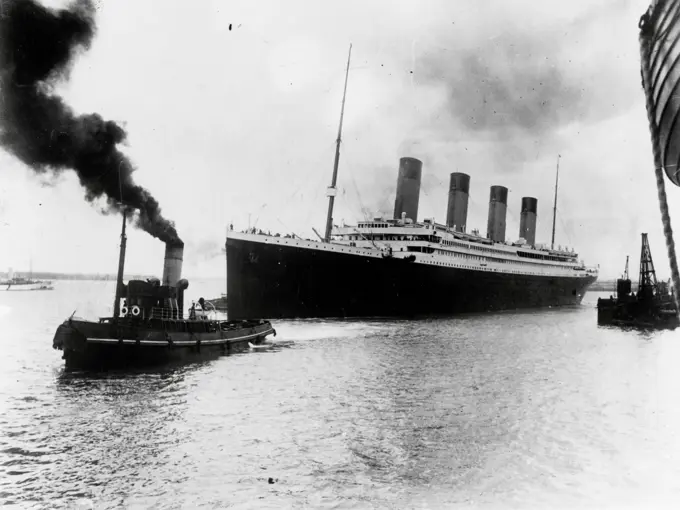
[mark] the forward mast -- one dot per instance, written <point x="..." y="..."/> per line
<point x="557" y="177"/>
<point x="332" y="190"/>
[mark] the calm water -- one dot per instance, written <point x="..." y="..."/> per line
<point x="512" y="410"/>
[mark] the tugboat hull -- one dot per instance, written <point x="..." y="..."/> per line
<point x="111" y="344"/>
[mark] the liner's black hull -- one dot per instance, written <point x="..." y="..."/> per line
<point x="282" y="281"/>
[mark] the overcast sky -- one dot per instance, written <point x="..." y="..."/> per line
<point x="239" y="125"/>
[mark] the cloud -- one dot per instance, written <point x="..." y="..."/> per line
<point x="515" y="86"/>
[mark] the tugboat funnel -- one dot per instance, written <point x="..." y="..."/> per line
<point x="172" y="264"/>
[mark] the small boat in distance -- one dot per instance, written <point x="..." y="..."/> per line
<point x="14" y="283"/>
<point x="150" y="327"/>
<point x="219" y="303"/>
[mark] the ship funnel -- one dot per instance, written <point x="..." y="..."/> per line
<point x="172" y="265"/>
<point x="456" y="211"/>
<point x="498" y="204"/>
<point x="527" y="220"/>
<point x="408" y="188"/>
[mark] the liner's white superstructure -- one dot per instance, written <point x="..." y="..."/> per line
<point x="431" y="242"/>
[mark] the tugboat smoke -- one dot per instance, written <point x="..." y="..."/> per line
<point x="37" y="48"/>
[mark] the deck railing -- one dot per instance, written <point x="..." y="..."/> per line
<point x="164" y="313"/>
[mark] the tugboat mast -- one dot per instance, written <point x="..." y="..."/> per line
<point x="332" y="189"/>
<point x="121" y="264"/>
<point x="557" y="176"/>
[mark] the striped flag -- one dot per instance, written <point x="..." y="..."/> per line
<point x="660" y="52"/>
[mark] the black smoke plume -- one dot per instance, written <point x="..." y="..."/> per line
<point x="37" y="48"/>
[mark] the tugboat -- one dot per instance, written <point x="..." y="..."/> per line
<point x="149" y="327"/>
<point x="652" y="307"/>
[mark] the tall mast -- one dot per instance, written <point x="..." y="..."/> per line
<point x="332" y="189"/>
<point x="557" y="176"/>
<point x="647" y="273"/>
<point x="121" y="264"/>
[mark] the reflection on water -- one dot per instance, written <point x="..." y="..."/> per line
<point x="523" y="410"/>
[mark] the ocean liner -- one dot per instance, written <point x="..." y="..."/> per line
<point x="402" y="266"/>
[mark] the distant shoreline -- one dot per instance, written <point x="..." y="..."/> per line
<point x="43" y="275"/>
<point x="608" y="285"/>
<point x="38" y="275"/>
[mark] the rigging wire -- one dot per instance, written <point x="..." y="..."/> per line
<point x="312" y="171"/>
<point x="288" y="228"/>
<point x="306" y="181"/>
<point x="565" y="230"/>
<point x="349" y="164"/>
<point x="384" y="202"/>
<point x="645" y="48"/>
<point x="428" y="199"/>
